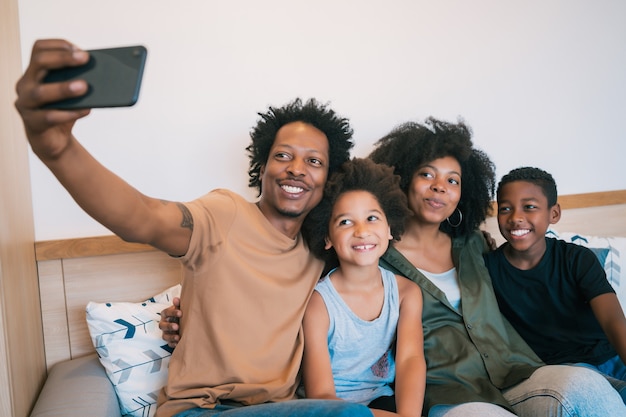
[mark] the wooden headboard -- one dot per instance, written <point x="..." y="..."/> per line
<point x="73" y="272"/>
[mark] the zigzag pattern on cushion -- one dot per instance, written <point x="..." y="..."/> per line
<point x="145" y="406"/>
<point x="608" y="250"/>
<point x="608" y="256"/>
<point x="128" y="341"/>
<point x="612" y="266"/>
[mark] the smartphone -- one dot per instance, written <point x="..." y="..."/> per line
<point x="113" y="75"/>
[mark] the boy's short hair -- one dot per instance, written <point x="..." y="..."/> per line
<point x="336" y="128"/>
<point x="537" y="176"/>
<point x="358" y="174"/>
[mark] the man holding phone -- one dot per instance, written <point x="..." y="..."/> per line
<point x="113" y="77"/>
<point x="248" y="273"/>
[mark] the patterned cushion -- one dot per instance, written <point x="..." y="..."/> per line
<point x="611" y="252"/>
<point x="128" y="341"/>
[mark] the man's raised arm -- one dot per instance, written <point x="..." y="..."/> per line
<point x="103" y="195"/>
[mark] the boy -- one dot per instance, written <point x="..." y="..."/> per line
<point x="362" y="326"/>
<point x="554" y="293"/>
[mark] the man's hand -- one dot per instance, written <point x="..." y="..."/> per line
<point x="169" y="323"/>
<point x="49" y="131"/>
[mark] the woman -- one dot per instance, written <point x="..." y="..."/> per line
<point x="476" y="363"/>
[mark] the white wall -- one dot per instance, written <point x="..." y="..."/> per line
<point x="542" y="82"/>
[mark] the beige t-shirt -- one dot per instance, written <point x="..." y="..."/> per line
<point x="244" y="293"/>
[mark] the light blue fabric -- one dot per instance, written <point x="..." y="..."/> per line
<point x="294" y="408"/>
<point x="473" y="409"/>
<point x="551" y="391"/>
<point x="562" y="390"/>
<point x="614" y="371"/>
<point x="361" y="351"/>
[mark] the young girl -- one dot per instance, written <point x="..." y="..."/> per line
<point x="362" y="326"/>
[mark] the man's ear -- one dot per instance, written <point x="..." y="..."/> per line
<point x="390" y="235"/>
<point x="328" y="244"/>
<point x="555" y="213"/>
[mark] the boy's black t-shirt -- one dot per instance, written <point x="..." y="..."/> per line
<point x="549" y="304"/>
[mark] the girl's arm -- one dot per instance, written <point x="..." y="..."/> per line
<point x="410" y="361"/>
<point x="317" y="374"/>
<point x="610" y="315"/>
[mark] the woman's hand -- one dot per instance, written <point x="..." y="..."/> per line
<point x="491" y="242"/>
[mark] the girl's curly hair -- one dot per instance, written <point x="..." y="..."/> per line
<point x="337" y="130"/>
<point x="358" y="174"/>
<point x="412" y="145"/>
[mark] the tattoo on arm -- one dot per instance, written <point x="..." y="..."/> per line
<point x="187" y="219"/>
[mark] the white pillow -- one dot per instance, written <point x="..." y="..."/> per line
<point x="610" y="251"/>
<point x="129" y="343"/>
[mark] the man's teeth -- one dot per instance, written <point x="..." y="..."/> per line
<point x="520" y="232"/>
<point x="291" y="189"/>
<point x="363" y="247"/>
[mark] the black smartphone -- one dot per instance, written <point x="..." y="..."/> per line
<point x="113" y="75"/>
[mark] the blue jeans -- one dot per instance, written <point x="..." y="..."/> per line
<point x="551" y="391"/>
<point x="293" y="408"/>
<point x="614" y="371"/>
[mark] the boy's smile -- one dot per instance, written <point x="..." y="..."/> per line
<point x="523" y="219"/>
<point x="520" y="232"/>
